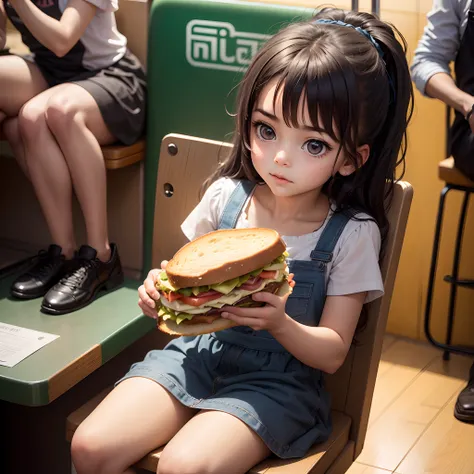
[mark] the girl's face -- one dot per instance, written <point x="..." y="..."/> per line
<point x="292" y="161"/>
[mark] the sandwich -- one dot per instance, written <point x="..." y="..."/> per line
<point x="218" y="269"/>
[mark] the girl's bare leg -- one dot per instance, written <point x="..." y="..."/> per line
<point x="76" y="123"/>
<point x="213" y="443"/>
<point x="136" y="417"/>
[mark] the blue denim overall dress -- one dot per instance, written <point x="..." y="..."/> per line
<point x="248" y="373"/>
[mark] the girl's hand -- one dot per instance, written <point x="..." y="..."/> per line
<point x="270" y="317"/>
<point x="148" y="294"/>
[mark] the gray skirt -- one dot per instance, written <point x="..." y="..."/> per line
<point x="273" y="393"/>
<point x="119" y="91"/>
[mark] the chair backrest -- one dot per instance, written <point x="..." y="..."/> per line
<point x="352" y="386"/>
<point x="185" y="162"/>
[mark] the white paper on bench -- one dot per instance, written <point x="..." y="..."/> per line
<point x="17" y="343"/>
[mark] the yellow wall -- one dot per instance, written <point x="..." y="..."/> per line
<point x="426" y="149"/>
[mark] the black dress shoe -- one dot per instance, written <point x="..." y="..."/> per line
<point x="47" y="270"/>
<point x="80" y="286"/>
<point x="464" y="408"/>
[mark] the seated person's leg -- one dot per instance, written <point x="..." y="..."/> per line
<point x="138" y="416"/>
<point x="74" y="119"/>
<point x="26" y="80"/>
<point x="11" y="130"/>
<point x="463" y="149"/>
<point x="464" y="409"/>
<point x="51" y="180"/>
<point x="463" y="154"/>
<point x="213" y="442"/>
<point x="62" y="131"/>
<point x="28" y="84"/>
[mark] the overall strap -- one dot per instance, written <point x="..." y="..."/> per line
<point x="235" y="204"/>
<point x="323" y="251"/>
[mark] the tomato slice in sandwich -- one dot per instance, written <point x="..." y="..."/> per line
<point x="171" y="295"/>
<point x="202" y="298"/>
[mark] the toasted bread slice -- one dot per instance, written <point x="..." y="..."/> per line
<point x="223" y="255"/>
<point x="170" y="327"/>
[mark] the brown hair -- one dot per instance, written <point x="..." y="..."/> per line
<point x="357" y="96"/>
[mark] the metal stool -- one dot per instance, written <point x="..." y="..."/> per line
<point x="454" y="179"/>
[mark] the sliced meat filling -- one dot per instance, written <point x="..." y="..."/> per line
<point x="214" y="314"/>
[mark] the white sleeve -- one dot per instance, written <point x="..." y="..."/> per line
<point x="356" y="266"/>
<point x="439" y="44"/>
<point x="105" y="5"/>
<point x="205" y="216"/>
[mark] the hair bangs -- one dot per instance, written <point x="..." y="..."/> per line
<point x="321" y="85"/>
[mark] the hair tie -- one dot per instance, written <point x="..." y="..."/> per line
<point x="357" y="28"/>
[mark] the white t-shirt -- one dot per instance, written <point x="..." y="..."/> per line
<point x="355" y="264"/>
<point x="104" y="45"/>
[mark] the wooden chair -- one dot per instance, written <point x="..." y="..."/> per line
<point x="184" y="164"/>
<point x="454" y="180"/>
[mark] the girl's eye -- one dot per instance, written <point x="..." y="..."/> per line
<point x="265" y="132"/>
<point x="316" y="147"/>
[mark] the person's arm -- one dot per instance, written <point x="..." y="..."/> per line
<point x="324" y="347"/>
<point x="59" y="36"/>
<point x="439" y="43"/>
<point x="437" y="48"/>
<point x="3" y="26"/>
<point x="442" y="87"/>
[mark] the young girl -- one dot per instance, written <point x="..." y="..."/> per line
<point x="322" y="112"/>
<point x="80" y="89"/>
